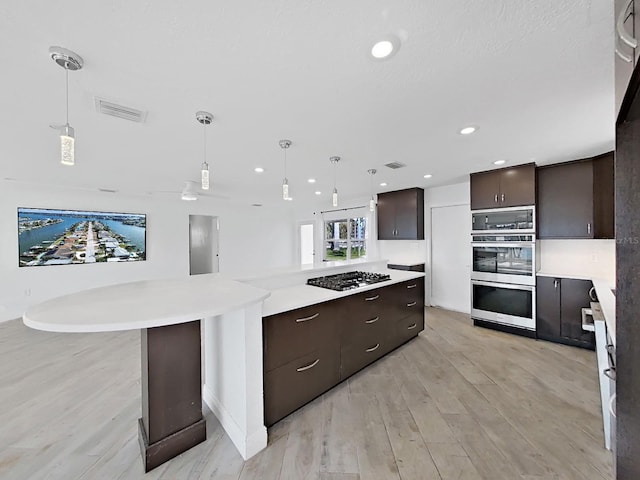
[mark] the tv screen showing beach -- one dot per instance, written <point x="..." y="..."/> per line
<point x="62" y="237"/>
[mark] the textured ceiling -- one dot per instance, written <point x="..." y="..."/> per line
<point x="537" y="77"/>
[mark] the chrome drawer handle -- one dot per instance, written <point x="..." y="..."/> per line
<point x="369" y="299"/>
<point x="373" y="320"/>
<point x="611" y="402"/>
<point x="311" y="365"/>
<point x="412" y="304"/>
<point x="306" y="319"/>
<point x="411" y="327"/>
<point x="611" y="349"/>
<point x="610" y="372"/>
<point x="622" y="33"/>
<point x="372" y="348"/>
<point x="412" y="286"/>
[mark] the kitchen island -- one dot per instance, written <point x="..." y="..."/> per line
<point x="169" y="314"/>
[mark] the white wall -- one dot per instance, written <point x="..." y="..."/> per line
<point x="583" y="258"/>
<point x="250" y="238"/>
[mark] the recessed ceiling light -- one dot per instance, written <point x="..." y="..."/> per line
<point x="312" y="180"/>
<point x="499" y="162"/>
<point x="318" y="193"/>
<point x="383" y="184"/>
<point x="258" y="169"/>
<point x="385" y="48"/>
<point x="289" y="198"/>
<point x="468" y="130"/>
<point x="428" y="175"/>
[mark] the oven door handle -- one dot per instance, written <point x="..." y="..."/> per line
<point x="504" y="244"/>
<point x="511" y="286"/>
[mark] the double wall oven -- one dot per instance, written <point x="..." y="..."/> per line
<point x="504" y="264"/>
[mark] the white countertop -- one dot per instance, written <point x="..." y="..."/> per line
<point x="298" y="296"/>
<point x="143" y="304"/>
<point x="606" y="298"/>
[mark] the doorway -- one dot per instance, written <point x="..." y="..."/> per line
<point x="451" y="257"/>
<point x="305" y="241"/>
<point x="203" y="244"/>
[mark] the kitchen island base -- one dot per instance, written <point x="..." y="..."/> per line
<point x="172" y="419"/>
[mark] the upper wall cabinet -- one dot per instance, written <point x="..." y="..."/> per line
<point x="576" y="199"/>
<point x="506" y="187"/>
<point x="401" y="215"/>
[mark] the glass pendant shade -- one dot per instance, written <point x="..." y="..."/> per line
<point x="204" y="178"/>
<point x="372" y="205"/>
<point x="67" y="146"/>
<point x="335" y="197"/>
<point x="285" y="189"/>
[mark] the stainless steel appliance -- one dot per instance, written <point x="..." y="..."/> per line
<point x="504" y="265"/>
<point x="504" y="303"/>
<point x="348" y="280"/>
<point x="504" y="220"/>
<point x="504" y="258"/>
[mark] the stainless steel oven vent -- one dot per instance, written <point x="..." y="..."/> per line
<point x="121" y="111"/>
<point x="395" y="165"/>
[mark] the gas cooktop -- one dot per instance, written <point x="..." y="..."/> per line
<point x="348" y="281"/>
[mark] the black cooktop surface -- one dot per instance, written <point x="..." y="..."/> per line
<point x="348" y="281"/>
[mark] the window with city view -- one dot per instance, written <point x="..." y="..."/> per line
<point x="345" y="239"/>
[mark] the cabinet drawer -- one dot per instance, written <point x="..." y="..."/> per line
<point x="414" y="290"/>
<point x="290" y="335"/>
<point x="290" y="386"/>
<point x="409" y="327"/>
<point x="356" y="355"/>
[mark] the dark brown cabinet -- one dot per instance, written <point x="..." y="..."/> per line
<point x="309" y="350"/>
<point x="559" y="305"/>
<point x="401" y="215"/>
<point x="575" y="199"/>
<point x="505" y="187"/>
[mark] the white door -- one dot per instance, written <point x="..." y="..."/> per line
<point x="203" y="244"/>
<point x="451" y="257"/>
<point x="306" y="243"/>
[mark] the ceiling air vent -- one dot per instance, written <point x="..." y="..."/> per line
<point x="109" y="108"/>
<point x="395" y="165"/>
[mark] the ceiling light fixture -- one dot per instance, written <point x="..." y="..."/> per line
<point x="312" y="180"/>
<point x="383" y="184"/>
<point x="284" y="145"/>
<point x="385" y="48"/>
<point x="318" y="193"/>
<point x="258" y="169"/>
<point x="499" y="162"/>
<point x="204" y="118"/>
<point x="69" y="61"/>
<point x="468" y="130"/>
<point x="428" y="175"/>
<point x="188" y="192"/>
<point x="372" y="202"/>
<point x="334" y="196"/>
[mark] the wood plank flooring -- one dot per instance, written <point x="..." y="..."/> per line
<point x="457" y="403"/>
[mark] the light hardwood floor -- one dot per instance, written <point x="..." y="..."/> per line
<point x="458" y="402"/>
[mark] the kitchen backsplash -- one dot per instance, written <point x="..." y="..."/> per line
<point x="403" y="251"/>
<point x="587" y="258"/>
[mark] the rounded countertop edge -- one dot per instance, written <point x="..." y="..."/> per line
<point x="255" y="295"/>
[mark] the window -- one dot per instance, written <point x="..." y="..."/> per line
<point x="345" y="239"/>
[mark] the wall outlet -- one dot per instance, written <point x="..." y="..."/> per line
<point x="594" y="258"/>
<point x="27" y="292"/>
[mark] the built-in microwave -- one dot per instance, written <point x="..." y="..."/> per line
<point x="504" y="303"/>
<point x="504" y="258"/>
<point x="504" y="220"/>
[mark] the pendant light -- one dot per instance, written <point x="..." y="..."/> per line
<point x="334" y="197"/>
<point x="204" y="118"/>
<point x="372" y="202"/>
<point x="284" y="145"/>
<point x="69" y="61"/>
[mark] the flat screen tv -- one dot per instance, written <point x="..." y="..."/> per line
<point x="63" y="237"/>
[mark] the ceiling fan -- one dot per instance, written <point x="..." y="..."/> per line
<point x="191" y="191"/>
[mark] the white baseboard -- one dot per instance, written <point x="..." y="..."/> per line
<point x="247" y="443"/>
